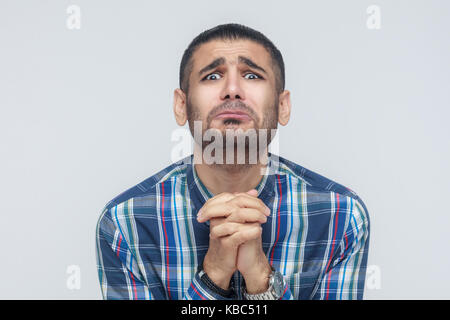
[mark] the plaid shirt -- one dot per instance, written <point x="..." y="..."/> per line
<point x="150" y="244"/>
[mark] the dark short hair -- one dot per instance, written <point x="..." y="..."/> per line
<point x="231" y="31"/>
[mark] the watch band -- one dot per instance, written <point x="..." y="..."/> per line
<point x="273" y="292"/>
<point x="212" y="286"/>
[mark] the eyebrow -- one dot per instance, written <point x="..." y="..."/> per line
<point x="220" y="61"/>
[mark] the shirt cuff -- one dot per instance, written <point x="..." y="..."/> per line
<point x="199" y="290"/>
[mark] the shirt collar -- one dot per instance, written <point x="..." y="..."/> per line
<point x="200" y="194"/>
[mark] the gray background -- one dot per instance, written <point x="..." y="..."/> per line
<point x="86" y="114"/>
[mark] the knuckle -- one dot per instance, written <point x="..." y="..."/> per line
<point x="239" y="199"/>
<point x="256" y="232"/>
<point x="256" y="228"/>
<point x="255" y="225"/>
<point x="263" y="218"/>
<point x="238" y="216"/>
<point x="233" y="200"/>
<point x="234" y="214"/>
<point x="233" y="228"/>
<point x="232" y="209"/>
<point x="235" y="239"/>
<point x="226" y="195"/>
<point x="226" y="229"/>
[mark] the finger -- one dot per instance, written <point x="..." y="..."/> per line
<point x="216" y="221"/>
<point x="224" y="229"/>
<point x="247" y="201"/>
<point x="252" y="192"/>
<point x="219" y="198"/>
<point x="232" y="213"/>
<point x="220" y="210"/>
<point x="229" y="228"/>
<point x="245" y="233"/>
<point x="245" y="215"/>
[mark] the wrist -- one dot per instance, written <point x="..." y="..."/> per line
<point x="226" y="293"/>
<point x="275" y="291"/>
<point x="218" y="277"/>
<point x="257" y="281"/>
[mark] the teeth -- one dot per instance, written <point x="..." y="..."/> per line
<point x="231" y="121"/>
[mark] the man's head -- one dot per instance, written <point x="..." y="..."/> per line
<point x="232" y="68"/>
<point x="229" y="32"/>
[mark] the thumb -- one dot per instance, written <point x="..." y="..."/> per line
<point x="253" y="192"/>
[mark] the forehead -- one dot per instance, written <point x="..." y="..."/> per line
<point x="231" y="50"/>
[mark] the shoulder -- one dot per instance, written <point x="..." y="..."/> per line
<point x="145" y="187"/>
<point x="145" y="191"/>
<point x="312" y="179"/>
<point x="321" y="187"/>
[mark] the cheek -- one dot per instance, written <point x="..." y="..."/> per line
<point x="204" y="100"/>
<point x="198" y="110"/>
<point x="262" y="100"/>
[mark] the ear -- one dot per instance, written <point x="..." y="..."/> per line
<point x="284" y="107"/>
<point x="179" y="106"/>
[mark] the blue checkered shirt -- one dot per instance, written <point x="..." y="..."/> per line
<point x="149" y="243"/>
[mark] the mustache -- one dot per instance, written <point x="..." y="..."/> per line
<point x="235" y="105"/>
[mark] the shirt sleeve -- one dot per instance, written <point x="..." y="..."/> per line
<point x="117" y="269"/>
<point x="120" y="276"/>
<point x="198" y="290"/>
<point x="344" y="279"/>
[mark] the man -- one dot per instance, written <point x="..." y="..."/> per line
<point x="212" y="227"/>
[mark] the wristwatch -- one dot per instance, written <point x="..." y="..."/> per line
<point x="274" y="292"/>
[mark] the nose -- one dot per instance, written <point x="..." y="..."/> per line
<point x="232" y="87"/>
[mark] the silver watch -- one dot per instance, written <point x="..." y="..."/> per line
<point x="274" y="292"/>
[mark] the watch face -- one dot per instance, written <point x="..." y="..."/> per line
<point x="278" y="286"/>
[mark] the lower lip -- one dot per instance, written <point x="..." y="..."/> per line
<point x="242" y="117"/>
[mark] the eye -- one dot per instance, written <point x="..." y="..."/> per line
<point x="252" y="74"/>
<point x="211" y="74"/>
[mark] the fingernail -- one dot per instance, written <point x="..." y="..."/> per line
<point x="199" y="214"/>
<point x="268" y="211"/>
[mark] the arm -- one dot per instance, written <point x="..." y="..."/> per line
<point x="117" y="269"/>
<point x="256" y="280"/>
<point x="344" y="279"/>
<point x="120" y="276"/>
<point x="199" y="290"/>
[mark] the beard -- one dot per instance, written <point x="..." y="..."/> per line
<point x="244" y="143"/>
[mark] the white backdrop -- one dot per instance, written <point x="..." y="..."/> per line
<point x="86" y="113"/>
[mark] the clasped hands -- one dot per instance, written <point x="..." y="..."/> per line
<point x="235" y="239"/>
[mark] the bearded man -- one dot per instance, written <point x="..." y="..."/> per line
<point x="232" y="220"/>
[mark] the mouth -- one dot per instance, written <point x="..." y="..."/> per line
<point x="233" y="116"/>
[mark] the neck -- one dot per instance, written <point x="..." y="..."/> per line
<point x="219" y="178"/>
